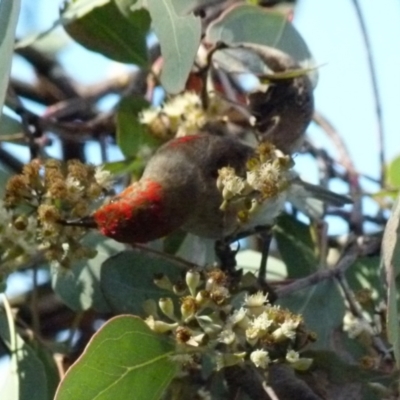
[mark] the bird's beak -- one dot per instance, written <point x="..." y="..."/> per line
<point x="85" y="222"/>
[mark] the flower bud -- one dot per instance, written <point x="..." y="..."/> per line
<point x="167" y="307"/>
<point x="162" y="281"/>
<point x="203" y="298"/>
<point x="20" y="223"/>
<point x="179" y="288"/>
<point x="192" y="281"/>
<point x="159" y="326"/>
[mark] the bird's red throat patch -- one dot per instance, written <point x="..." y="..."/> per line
<point x="130" y="215"/>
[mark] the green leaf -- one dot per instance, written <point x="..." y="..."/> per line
<point x="296" y="246"/>
<point x="179" y="38"/>
<point x="393" y="173"/>
<point x="173" y="242"/>
<point x="183" y="7"/>
<point x="342" y="378"/>
<point x="107" y="31"/>
<point x="390" y="266"/>
<point x="11" y="128"/>
<point x="322" y="308"/>
<point x="75" y="9"/>
<point x="364" y="274"/>
<point x="9" y="11"/>
<point x="50" y="368"/>
<point x="127" y="280"/>
<point x="131" y="134"/>
<point x="80" y="288"/>
<point x="123" y="360"/>
<point x="25" y="370"/>
<point x="252" y="24"/>
<point x="79" y="8"/>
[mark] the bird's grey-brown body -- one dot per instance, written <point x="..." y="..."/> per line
<point x="189" y="168"/>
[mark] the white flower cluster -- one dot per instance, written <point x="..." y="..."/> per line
<point x="182" y="115"/>
<point x="262" y="192"/>
<point x="44" y="195"/>
<point x="256" y="332"/>
<point x="355" y="326"/>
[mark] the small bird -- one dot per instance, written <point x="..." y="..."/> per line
<point x="179" y="189"/>
<point x="212" y="184"/>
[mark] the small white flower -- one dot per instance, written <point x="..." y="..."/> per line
<point x="237" y="316"/>
<point x="286" y="330"/>
<point x="181" y="104"/>
<point x="260" y="358"/>
<point x="252" y="178"/>
<point x="227" y="336"/>
<point x="256" y="300"/>
<point x="354" y="326"/>
<point x="229" y="183"/>
<point x="73" y="184"/>
<point x="103" y="177"/>
<point x="262" y="322"/>
<point x="146" y="117"/>
<point x="270" y="172"/>
<point x="289" y="328"/>
<point x="253" y="335"/>
<point x="292" y="356"/>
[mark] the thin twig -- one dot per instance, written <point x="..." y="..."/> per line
<point x="356" y="218"/>
<point x="374" y="82"/>
<point x="34" y="304"/>
<point x="344" y="263"/>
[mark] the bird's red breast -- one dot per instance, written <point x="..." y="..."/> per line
<point x="135" y="215"/>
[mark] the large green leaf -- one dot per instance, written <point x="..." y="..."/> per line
<point x="107" y="31"/>
<point x="390" y="266"/>
<point x="247" y="23"/>
<point x="364" y="274"/>
<point x="25" y="371"/>
<point x="296" y="246"/>
<point x="342" y="380"/>
<point x="50" y="368"/>
<point x="80" y="288"/>
<point x="78" y="8"/>
<point x="9" y="125"/>
<point x="179" y="37"/>
<point x="131" y="134"/>
<point x="11" y="128"/>
<point x="123" y="360"/>
<point x="127" y="280"/>
<point x="9" y="11"/>
<point x="322" y="308"/>
<point x="75" y="9"/>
